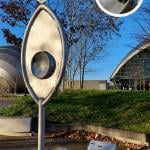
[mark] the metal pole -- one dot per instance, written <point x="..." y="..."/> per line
<point x="41" y="126"/>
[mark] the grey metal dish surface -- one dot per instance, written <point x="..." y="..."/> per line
<point x="119" y="6"/>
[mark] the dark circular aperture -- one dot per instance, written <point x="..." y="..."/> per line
<point x="43" y="65"/>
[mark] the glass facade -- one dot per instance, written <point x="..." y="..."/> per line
<point x="135" y="73"/>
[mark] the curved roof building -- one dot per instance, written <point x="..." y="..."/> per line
<point x="10" y="70"/>
<point x="134" y="70"/>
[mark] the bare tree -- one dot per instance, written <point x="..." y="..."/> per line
<point x="90" y="29"/>
<point x="144" y="23"/>
<point x="136" y="75"/>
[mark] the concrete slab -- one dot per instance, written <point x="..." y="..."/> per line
<point x="15" y="126"/>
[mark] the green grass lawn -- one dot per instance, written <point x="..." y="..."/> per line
<point x="117" y="109"/>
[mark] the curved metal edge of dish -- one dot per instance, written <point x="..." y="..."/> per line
<point x="23" y="51"/>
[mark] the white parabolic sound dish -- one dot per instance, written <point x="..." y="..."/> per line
<point x="43" y="54"/>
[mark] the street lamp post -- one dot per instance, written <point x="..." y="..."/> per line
<point x="43" y="60"/>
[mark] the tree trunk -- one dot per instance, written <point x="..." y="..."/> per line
<point x="82" y="77"/>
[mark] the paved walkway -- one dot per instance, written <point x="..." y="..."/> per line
<point x="30" y="143"/>
<point x="12" y="143"/>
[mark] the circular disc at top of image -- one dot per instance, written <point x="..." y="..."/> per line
<point x="119" y="8"/>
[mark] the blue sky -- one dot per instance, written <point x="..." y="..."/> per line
<point x="116" y="49"/>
